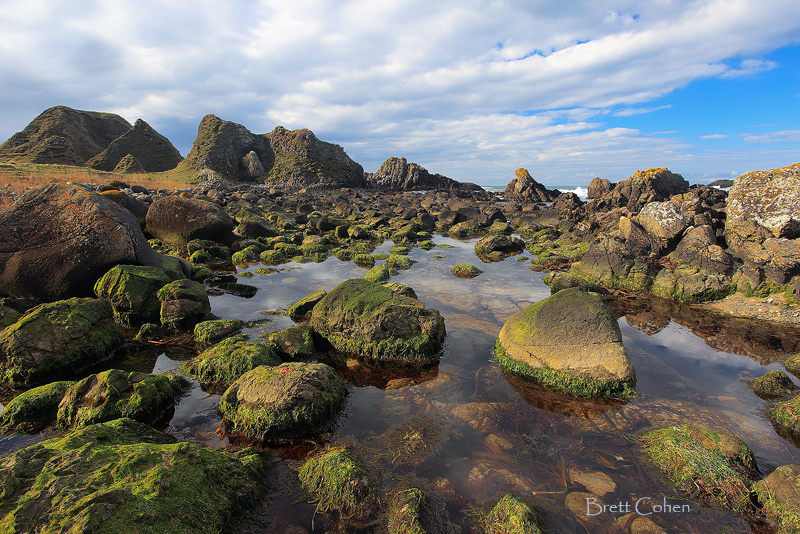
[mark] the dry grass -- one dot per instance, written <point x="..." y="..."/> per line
<point x="17" y="178"/>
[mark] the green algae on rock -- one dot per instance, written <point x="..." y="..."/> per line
<point x="413" y="511"/>
<point x="210" y="332"/>
<point x="8" y="316"/>
<point x="123" y="476"/>
<point x="570" y="341"/>
<point x="35" y="407"/>
<point x="368" y="320"/>
<point x="132" y="291"/>
<point x="115" y="393"/>
<point x="223" y="363"/>
<point x="337" y="481"/>
<point x="184" y="303"/>
<point x="283" y="402"/>
<point x="56" y="339"/>
<point x="296" y="342"/>
<point x="785" y="416"/>
<point x="772" y="385"/>
<point x="378" y="274"/>
<point x="779" y="492"/>
<point x="399" y="262"/>
<point x="301" y="310"/>
<point x="465" y="270"/>
<point x="511" y="516"/>
<point x="713" y="467"/>
<point x="495" y="247"/>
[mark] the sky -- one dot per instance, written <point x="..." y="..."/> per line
<point x="471" y="89"/>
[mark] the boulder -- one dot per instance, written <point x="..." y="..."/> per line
<point x="34" y="408"/>
<point x="132" y="291"/>
<point x="773" y="384"/>
<point x="513" y="516"/>
<point x="295" y="342"/>
<point x="396" y="174"/>
<point x="368" y="320"/>
<point x="599" y="187"/>
<point x="713" y="467"/>
<point x="176" y="220"/>
<point x="699" y="248"/>
<point x="779" y="493"/>
<point x="337" y="481"/>
<point x="208" y="333"/>
<point x="124" y="476"/>
<point x="664" y="221"/>
<point x="614" y="262"/>
<point x="524" y="188"/>
<point x="494" y="247"/>
<point x="301" y="310"/>
<point x="115" y="393"/>
<point x="57" y="240"/>
<point x="184" y="303"/>
<point x="152" y="151"/>
<point x="465" y="270"/>
<point x="635" y="192"/>
<point x="57" y="339"/>
<point x="569" y="341"/>
<point x="769" y="198"/>
<point x="221" y="365"/>
<point x="284" y="402"/>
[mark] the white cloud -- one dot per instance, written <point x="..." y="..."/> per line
<point x="715" y="136"/>
<point x="790" y="136"/>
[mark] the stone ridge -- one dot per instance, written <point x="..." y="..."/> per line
<point x="65" y="136"/>
<point x="152" y="151"/>
<point x="396" y="174"/>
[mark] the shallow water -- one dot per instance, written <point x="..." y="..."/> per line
<point x="479" y="434"/>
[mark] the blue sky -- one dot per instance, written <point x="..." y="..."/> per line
<point x="471" y="89"/>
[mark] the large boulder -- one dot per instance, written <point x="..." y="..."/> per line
<point x="152" y="151"/>
<point x="57" y="339"/>
<point x="770" y="198"/>
<point x="284" y="402"/>
<point x="396" y="174"/>
<point x="494" y="247"/>
<point x="123" y="476"/>
<point x="132" y="291"/>
<point x="368" y="320"/>
<point x="523" y="188"/>
<point x="57" y="240"/>
<point x="176" y="220"/>
<point x="569" y="341"/>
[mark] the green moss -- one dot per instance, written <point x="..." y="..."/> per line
<point x="792" y="364"/>
<point x="337" y="481"/>
<point x="297" y="342"/>
<point x="426" y="244"/>
<point x="301" y="309"/>
<point x="132" y="289"/>
<point x="402" y="250"/>
<point x="272" y="257"/>
<point x="773" y="384"/>
<point x="345" y="254"/>
<point x="407" y="511"/>
<point x="122" y="476"/>
<point x="715" y="468"/>
<point x="785" y="417"/>
<point x="397" y="261"/>
<point x="35" y="407"/>
<point x="220" y="365"/>
<point x="577" y="386"/>
<point x="8" y="316"/>
<point x="246" y="255"/>
<point x="464" y="270"/>
<point x="511" y="515"/>
<point x="209" y="332"/>
<point x="364" y="260"/>
<point x="379" y="274"/>
<point x="289" y="250"/>
<point x="779" y="493"/>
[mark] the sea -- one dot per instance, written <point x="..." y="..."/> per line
<point x="582" y="192"/>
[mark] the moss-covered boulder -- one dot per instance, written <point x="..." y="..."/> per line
<point x="713" y="467"/>
<point x="8" y="316"/>
<point x="301" y="310"/>
<point x="413" y="511"/>
<point x="465" y="270"/>
<point x="785" y="416"/>
<point x="123" y="476"/>
<point x="56" y="339"/>
<point x="283" y="402"/>
<point x="511" y="516"/>
<point x="379" y="274"/>
<point x="570" y="341"/>
<point x="370" y="321"/>
<point x="792" y="364"/>
<point x="337" y="481"/>
<point x="210" y="332"/>
<point x="34" y="408"/>
<point x="495" y="247"/>
<point x="132" y="291"/>
<point x="115" y="393"/>
<point x="295" y="342"/>
<point x="220" y="365"/>
<point x="779" y="493"/>
<point x="184" y="303"/>
<point x="272" y="257"/>
<point x="772" y="385"/>
<point x="563" y="280"/>
<point x="399" y="262"/>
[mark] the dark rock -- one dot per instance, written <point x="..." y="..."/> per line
<point x="599" y="187"/>
<point x="638" y="190"/>
<point x="524" y="188"/>
<point x="396" y="174"/>
<point x="177" y="220"/>
<point x="152" y="151"/>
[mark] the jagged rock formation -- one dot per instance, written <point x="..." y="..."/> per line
<point x="524" y="188"/>
<point x="633" y="193"/>
<point x="62" y="135"/>
<point x="152" y="151"/>
<point x="396" y="174"/>
<point x="292" y="158"/>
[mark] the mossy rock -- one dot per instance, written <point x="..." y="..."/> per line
<point x="785" y="416"/>
<point x="413" y="511"/>
<point x="244" y="291"/>
<point x="404" y="236"/>
<point x="115" y="393"/>
<point x="426" y="245"/>
<point x="272" y="257"/>
<point x="570" y="341"/>
<point x="336" y="481"/>
<point x="151" y="332"/>
<point x="8" y="316"/>
<point x="401" y="289"/>
<point x="132" y="291"/>
<point x="56" y="339"/>
<point x="344" y="254"/>
<point x="209" y="332"/>
<point x="779" y="493"/>
<point x="400" y="249"/>
<point x="399" y="262"/>
<point x="301" y="310"/>
<point x="201" y="273"/>
<point x="220" y="365"/>
<point x="688" y="284"/>
<point x="511" y="515"/>
<point x="123" y="476"/>
<point x="379" y="274"/>
<point x="285" y="402"/>
<point x="465" y="270"/>
<point x="368" y="320"/>
<point x="365" y="261"/>
<point x="200" y="257"/>
<point x="495" y="247"/>
<point x="561" y="280"/>
<point x="792" y="364"/>
<point x="184" y="303"/>
<point x="296" y="342"/>
<point x="773" y="384"/>
<point x="713" y="467"/>
<point x="246" y="255"/>
<point x="34" y="408"/>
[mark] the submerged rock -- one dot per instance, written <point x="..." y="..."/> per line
<point x="56" y="339"/>
<point x="413" y="511"/>
<point x="464" y="270"/>
<point x="338" y="482"/>
<point x="225" y="362"/>
<point x="569" y="341"/>
<point x="369" y="320"/>
<point x="713" y="467"/>
<point x="287" y="401"/>
<point x="123" y="476"/>
<point x="511" y="516"/>
<point x="779" y="492"/>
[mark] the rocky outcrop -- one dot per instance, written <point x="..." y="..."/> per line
<point x="769" y="198"/>
<point x="637" y="191"/>
<point x="65" y="136"/>
<point x="152" y="151"/>
<point x="57" y="240"/>
<point x="290" y="158"/>
<point x="570" y="341"/>
<point x="396" y="174"/>
<point x="524" y="188"/>
<point x="176" y="220"/>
